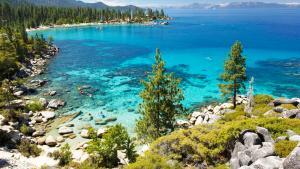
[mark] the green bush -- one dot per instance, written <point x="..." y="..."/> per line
<point x="26" y="130"/>
<point x="284" y="147"/>
<point x="213" y="143"/>
<point x="104" y="150"/>
<point x="12" y="115"/>
<point x="34" y="106"/>
<point x="263" y="99"/>
<point x="27" y="149"/>
<point x="154" y="161"/>
<point x="239" y="114"/>
<point x="64" y="155"/>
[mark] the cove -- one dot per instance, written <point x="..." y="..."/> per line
<point x="110" y="60"/>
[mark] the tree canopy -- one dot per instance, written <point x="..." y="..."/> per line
<point x="161" y="102"/>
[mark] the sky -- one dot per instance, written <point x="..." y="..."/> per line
<point x="177" y="2"/>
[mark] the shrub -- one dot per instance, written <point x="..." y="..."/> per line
<point x="213" y="143"/>
<point x="284" y="147"/>
<point x="34" y="106"/>
<point x="12" y="115"/>
<point x="64" y="155"/>
<point x="154" y="161"/>
<point x="104" y="151"/>
<point x="263" y="99"/>
<point x="27" y="149"/>
<point x="26" y="130"/>
<point x="239" y="114"/>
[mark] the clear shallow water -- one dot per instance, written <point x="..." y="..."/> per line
<point x="113" y="59"/>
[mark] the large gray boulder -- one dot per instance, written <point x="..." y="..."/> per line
<point x="55" y="103"/>
<point x="293" y="160"/>
<point x="251" y="139"/>
<point x="267" y="150"/>
<point x="234" y="163"/>
<point x="265" y="133"/>
<point x="244" y="158"/>
<point x="290" y="113"/>
<point x="238" y="147"/>
<point x="48" y="114"/>
<point x="271" y="162"/>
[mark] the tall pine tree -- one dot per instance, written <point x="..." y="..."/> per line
<point x="161" y="102"/>
<point x="234" y="75"/>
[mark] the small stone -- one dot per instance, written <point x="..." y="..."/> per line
<point x="65" y="130"/>
<point x="48" y="114"/>
<point x="290" y="133"/>
<point x="18" y="93"/>
<point x="38" y="133"/>
<point x="60" y="139"/>
<point x="84" y="133"/>
<point x="50" y="141"/>
<point x="41" y="140"/>
<point x="265" y="133"/>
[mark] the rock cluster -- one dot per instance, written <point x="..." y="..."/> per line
<point x="256" y="149"/>
<point x="210" y="114"/>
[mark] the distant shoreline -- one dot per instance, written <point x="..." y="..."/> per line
<point x="42" y="27"/>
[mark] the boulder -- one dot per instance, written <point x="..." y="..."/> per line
<point x="251" y="139"/>
<point x="226" y="105"/>
<point x="267" y="150"/>
<point x="100" y="132"/>
<point x="50" y="141"/>
<point x="196" y="114"/>
<point x="244" y="159"/>
<point x="43" y="101"/>
<point x="60" y="139"/>
<point x="52" y="93"/>
<point x="295" y="138"/>
<point x="265" y="133"/>
<point x="79" y="156"/>
<point x="238" y="147"/>
<point x="18" y="93"/>
<point x="213" y="118"/>
<point x="122" y="157"/>
<point x="41" y="140"/>
<point x="55" y="103"/>
<point x="38" y="133"/>
<point x="182" y="123"/>
<point x="271" y="162"/>
<point x="280" y="138"/>
<point x="48" y="114"/>
<point x="234" y="163"/>
<point x="84" y="133"/>
<point x="290" y="113"/>
<point x="279" y="109"/>
<point x="199" y="120"/>
<point x="64" y="130"/>
<point x="217" y="109"/>
<point x="290" y="133"/>
<point x="293" y="160"/>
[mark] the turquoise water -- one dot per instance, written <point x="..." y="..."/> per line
<point x="112" y="59"/>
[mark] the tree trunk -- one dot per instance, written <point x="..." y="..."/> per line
<point x="234" y="94"/>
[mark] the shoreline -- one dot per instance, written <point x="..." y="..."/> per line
<point x="43" y="27"/>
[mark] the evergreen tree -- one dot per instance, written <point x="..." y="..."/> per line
<point x="161" y="102"/>
<point x="234" y="75"/>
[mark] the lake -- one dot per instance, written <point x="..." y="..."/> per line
<point x="109" y="61"/>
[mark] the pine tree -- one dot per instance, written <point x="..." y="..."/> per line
<point x="234" y="75"/>
<point x="161" y="102"/>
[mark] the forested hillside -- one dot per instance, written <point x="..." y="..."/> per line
<point x="32" y="16"/>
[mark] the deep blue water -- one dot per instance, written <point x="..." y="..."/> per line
<point x="113" y="59"/>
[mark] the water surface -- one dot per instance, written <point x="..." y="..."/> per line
<point x="112" y="59"/>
